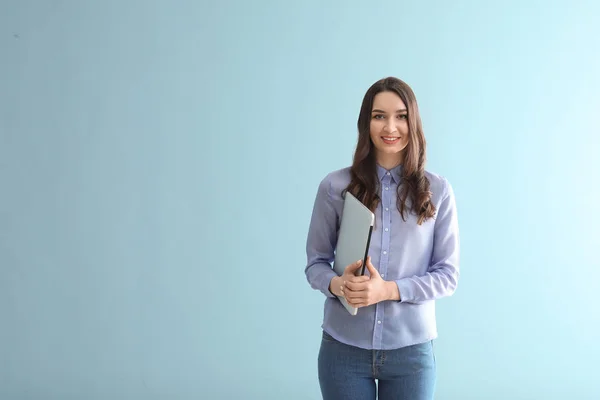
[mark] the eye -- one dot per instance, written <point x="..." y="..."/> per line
<point x="377" y="116"/>
<point x="403" y="116"/>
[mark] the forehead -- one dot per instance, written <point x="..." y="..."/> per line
<point x="388" y="101"/>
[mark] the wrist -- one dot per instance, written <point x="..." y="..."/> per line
<point x="333" y="284"/>
<point x="392" y="292"/>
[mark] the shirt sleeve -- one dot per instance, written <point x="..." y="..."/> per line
<point x="442" y="276"/>
<point x="321" y="241"/>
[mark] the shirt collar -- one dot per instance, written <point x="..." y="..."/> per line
<point x="395" y="172"/>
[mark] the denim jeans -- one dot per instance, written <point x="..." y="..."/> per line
<point x="349" y="373"/>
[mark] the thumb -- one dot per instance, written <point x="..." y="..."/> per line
<point x="354" y="266"/>
<point x="371" y="268"/>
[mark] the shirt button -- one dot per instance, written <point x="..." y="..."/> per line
<point x="385" y="252"/>
<point x="379" y="322"/>
<point x="386" y="229"/>
<point x="383" y="275"/>
<point x="387" y="188"/>
<point x="388" y="173"/>
<point x="387" y="209"/>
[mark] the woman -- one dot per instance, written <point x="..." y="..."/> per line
<point x="413" y="258"/>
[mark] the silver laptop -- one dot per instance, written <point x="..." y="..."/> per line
<point x="353" y="239"/>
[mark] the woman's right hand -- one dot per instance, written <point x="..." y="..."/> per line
<point x="336" y="286"/>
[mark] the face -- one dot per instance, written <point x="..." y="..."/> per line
<point x="389" y="128"/>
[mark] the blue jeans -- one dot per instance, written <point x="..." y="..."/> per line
<point x="349" y="373"/>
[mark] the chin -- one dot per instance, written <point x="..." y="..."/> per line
<point x="394" y="150"/>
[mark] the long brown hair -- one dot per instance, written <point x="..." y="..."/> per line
<point x="414" y="185"/>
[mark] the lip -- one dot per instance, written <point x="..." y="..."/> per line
<point x="395" y="139"/>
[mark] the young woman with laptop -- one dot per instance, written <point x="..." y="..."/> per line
<point x="386" y="348"/>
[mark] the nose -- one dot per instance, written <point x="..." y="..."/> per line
<point x="390" y="126"/>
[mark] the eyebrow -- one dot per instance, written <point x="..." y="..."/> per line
<point x="381" y="111"/>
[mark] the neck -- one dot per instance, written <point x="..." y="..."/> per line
<point x="389" y="161"/>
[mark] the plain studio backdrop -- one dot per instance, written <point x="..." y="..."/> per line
<point x="158" y="167"/>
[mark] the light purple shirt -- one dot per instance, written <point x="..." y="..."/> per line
<point x="423" y="260"/>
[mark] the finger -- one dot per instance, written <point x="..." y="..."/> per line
<point x="355" y="302"/>
<point x="354" y="295"/>
<point x="364" y="280"/>
<point x="357" y="279"/>
<point x="356" y="298"/>
<point x="350" y="269"/>
<point x="371" y="268"/>
<point x="356" y="286"/>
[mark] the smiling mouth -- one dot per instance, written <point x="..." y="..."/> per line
<point x="390" y="139"/>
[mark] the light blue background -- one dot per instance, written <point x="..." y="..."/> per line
<point x="159" y="160"/>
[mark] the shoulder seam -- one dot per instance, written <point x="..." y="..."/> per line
<point x="446" y="183"/>
<point x="329" y="197"/>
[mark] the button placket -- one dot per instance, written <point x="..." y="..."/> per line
<point x="386" y="196"/>
<point x="386" y="222"/>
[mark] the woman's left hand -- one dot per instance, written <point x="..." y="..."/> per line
<point x="363" y="291"/>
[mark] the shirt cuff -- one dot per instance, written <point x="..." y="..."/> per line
<point x="324" y="281"/>
<point x="405" y="290"/>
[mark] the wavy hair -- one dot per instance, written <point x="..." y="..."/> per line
<point x="413" y="191"/>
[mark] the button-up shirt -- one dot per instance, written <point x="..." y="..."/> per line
<point x="423" y="260"/>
